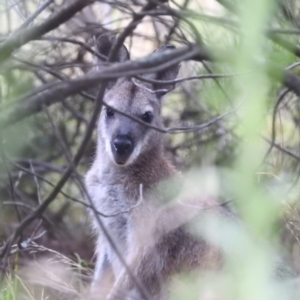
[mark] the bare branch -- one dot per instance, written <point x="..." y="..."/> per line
<point x="20" y="38"/>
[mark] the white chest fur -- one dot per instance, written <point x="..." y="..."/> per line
<point x="110" y="202"/>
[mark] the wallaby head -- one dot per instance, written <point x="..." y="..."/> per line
<point x="125" y="140"/>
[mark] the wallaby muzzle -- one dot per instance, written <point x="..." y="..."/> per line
<point x="122" y="147"/>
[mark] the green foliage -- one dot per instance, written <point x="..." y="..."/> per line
<point x="228" y="157"/>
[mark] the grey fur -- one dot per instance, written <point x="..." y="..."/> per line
<point x="150" y="235"/>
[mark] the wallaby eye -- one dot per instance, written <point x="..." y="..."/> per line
<point x="147" y="117"/>
<point x="110" y="113"/>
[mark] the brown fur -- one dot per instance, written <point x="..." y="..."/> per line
<point x="152" y="235"/>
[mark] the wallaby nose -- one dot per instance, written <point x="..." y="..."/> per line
<point x="122" y="144"/>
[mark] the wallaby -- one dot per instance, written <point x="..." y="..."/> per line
<point x="129" y="156"/>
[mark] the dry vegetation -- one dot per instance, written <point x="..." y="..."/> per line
<point x="48" y="88"/>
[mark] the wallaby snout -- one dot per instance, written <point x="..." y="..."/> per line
<point x="122" y="147"/>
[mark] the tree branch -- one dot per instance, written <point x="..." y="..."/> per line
<point x="59" y="91"/>
<point x="21" y="37"/>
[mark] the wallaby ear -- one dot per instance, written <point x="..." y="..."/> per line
<point x="167" y="74"/>
<point x="103" y="47"/>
